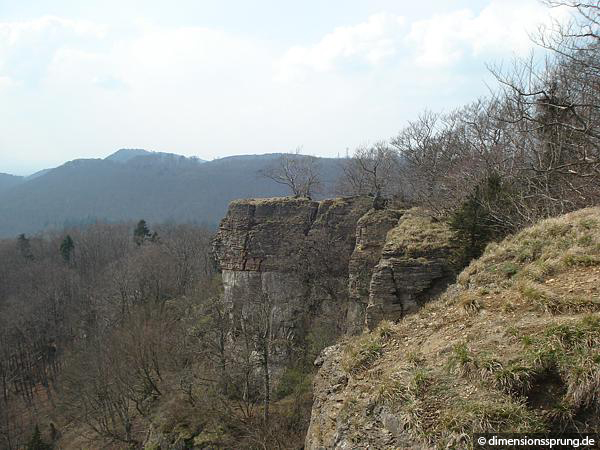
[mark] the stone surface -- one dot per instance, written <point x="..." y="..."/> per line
<point x="295" y="251"/>
<point x="328" y="398"/>
<point x="262" y="234"/>
<point x="337" y="420"/>
<point x="371" y="231"/>
<point x="415" y="266"/>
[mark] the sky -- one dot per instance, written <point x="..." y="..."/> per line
<point x="214" y="78"/>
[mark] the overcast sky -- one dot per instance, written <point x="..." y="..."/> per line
<point x="212" y="78"/>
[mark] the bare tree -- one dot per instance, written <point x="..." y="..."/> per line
<point x="372" y="170"/>
<point x="556" y="105"/>
<point x="300" y="173"/>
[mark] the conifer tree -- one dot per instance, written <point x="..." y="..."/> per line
<point x="66" y="248"/>
<point x="36" y="442"/>
<point x="24" y="246"/>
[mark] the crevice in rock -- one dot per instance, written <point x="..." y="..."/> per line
<point x="311" y="219"/>
<point x="251" y="222"/>
<point x="397" y="292"/>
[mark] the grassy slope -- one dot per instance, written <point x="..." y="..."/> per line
<point x="513" y="346"/>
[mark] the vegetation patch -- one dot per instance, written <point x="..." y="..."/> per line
<point x="417" y="235"/>
<point x="363" y="351"/>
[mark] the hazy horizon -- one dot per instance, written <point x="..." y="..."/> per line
<point x="211" y="80"/>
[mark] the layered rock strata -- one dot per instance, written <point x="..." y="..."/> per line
<point x="416" y="265"/>
<point x="294" y="251"/>
<point x="371" y="232"/>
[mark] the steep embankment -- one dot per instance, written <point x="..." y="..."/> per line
<point x="512" y="346"/>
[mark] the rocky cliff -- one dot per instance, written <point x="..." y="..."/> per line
<point x="295" y="251"/>
<point x="335" y="256"/>
<point x="371" y="232"/>
<point x="338" y="256"/>
<point x="511" y="347"/>
<point x="415" y="266"/>
<point x="341" y="263"/>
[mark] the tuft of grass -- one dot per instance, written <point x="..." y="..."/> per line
<point x="461" y="361"/>
<point x="581" y="260"/>
<point x="363" y="351"/>
<point x="514" y="379"/>
<point x="467" y="416"/>
<point x="415" y="358"/>
<point x="470" y="302"/>
<point x="572" y="350"/>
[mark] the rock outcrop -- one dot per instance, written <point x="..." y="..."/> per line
<point x="371" y="232"/>
<point x="416" y="265"/>
<point x="295" y="251"/>
<point x="337" y="255"/>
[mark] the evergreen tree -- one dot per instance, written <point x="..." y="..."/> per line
<point x="141" y="232"/>
<point x="36" y="442"/>
<point x="66" y="248"/>
<point x="474" y="223"/>
<point x="24" y="246"/>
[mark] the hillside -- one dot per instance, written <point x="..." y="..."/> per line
<point x="8" y="181"/>
<point x="133" y="184"/>
<point x="512" y="346"/>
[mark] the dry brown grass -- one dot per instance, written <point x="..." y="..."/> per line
<point x="512" y="347"/>
<point x="417" y="234"/>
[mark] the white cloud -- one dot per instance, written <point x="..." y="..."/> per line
<point x="13" y="33"/>
<point x="28" y="47"/>
<point x="88" y="89"/>
<point x="502" y="27"/>
<point x="370" y="42"/>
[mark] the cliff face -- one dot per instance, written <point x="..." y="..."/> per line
<point x="295" y="251"/>
<point x="338" y="256"/>
<point x="415" y="266"/>
<point x="343" y="261"/>
<point x="371" y="231"/>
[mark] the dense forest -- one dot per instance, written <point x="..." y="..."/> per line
<point x="113" y="335"/>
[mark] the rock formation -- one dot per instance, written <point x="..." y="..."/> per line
<point x="339" y="256"/>
<point x="371" y="231"/>
<point x="339" y="259"/>
<point x="415" y="266"/>
<point x="294" y="250"/>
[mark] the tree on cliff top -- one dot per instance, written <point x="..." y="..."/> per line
<point x="301" y="173"/>
<point x="372" y="171"/>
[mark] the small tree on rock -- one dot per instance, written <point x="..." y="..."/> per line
<point x="298" y="172"/>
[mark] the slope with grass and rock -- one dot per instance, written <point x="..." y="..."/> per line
<point x="512" y="346"/>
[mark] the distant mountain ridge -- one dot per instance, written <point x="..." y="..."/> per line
<point x="125" y="154"/>
<point x="132" y="184"/>
<point x="7" y="181"/>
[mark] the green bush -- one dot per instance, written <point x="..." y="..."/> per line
<point x="292" y="381"/>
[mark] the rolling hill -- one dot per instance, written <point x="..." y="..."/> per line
<point x="133" y="184"/>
